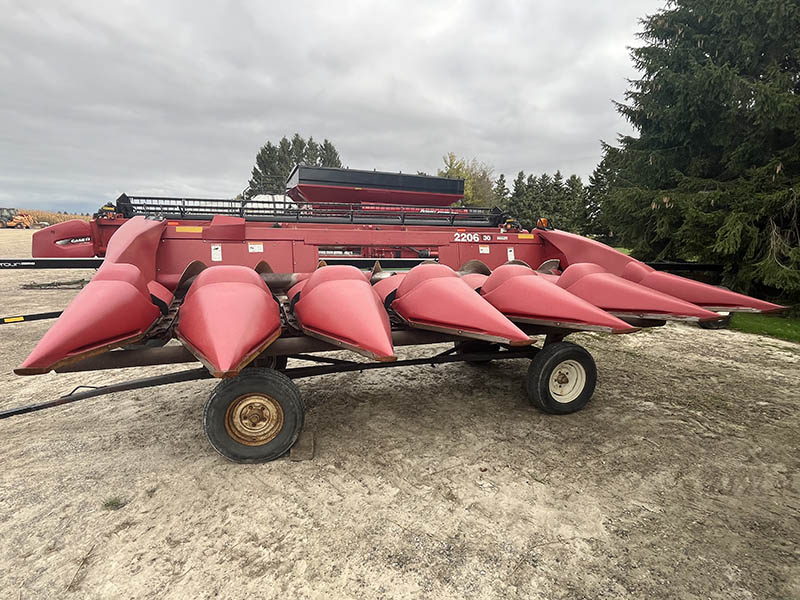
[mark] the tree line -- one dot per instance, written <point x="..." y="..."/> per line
<point x="565" y="201"/>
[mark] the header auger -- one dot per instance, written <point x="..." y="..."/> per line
<point x="245" y="285"/>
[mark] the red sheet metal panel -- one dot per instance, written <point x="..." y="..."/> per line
<point x="338" y="304"/>
<point x="55" y="241"/>
<point x="115" y="306"/>
<point x="332" y="194"/>
<point x="228" y="317"/>
<point x="695" y="291"/>
<point x="225" y="228"/>
<point x="524" y="296"/>
<point x="617" y="295"/>
<point x="572" y="249"/>
<point x="434" y="297"/>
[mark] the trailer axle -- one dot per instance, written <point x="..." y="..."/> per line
<point x="328" y="366"/>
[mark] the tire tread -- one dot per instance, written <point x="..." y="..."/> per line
<point x="539" y="374"/>
<point x="280" y="387"/>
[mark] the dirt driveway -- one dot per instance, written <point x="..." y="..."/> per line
<point x="679" y="480"/>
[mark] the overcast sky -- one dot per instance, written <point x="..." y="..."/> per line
<point x="177" y="97"/>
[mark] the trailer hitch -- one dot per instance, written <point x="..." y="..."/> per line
<point x="134" y="384"/>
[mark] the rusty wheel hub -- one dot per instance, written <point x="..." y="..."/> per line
<point x="254" y="419"/>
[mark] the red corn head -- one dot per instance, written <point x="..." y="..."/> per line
<point x="337" y="304"/>
<point x="228" y="317"/>
<point x="113" y="308"/>
<point x="620" y="296"/>
<point x="702" y="294"/>
<point x="524" y="296"/>
<point x="433" y="296"/>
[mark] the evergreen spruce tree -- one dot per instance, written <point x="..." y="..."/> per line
<point x="575" y="212"/>
<point x="542" y="192"/>
<point x="601" y="181"/>
<point x="328" y="155"/>
<point x="275" y="163"/>
<point x="714" y="172"/>
<point x="312" y="153"/>
<point x="298" y="151"/>
<point x="500" y="191"/>
<point x="515" y="206"/>
<point x="557" y="203"/>
<point x="564" y="202"/>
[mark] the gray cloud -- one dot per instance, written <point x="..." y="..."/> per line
<point x="177" y="97"/>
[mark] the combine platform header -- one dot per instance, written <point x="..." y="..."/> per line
<point x="324" y="184"/>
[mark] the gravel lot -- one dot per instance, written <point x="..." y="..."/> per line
<point x="680" y="479"/>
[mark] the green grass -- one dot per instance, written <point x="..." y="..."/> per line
<point x="785" y="328"/>
<point x="114" y="503"/>
<point x="623" y="250"/>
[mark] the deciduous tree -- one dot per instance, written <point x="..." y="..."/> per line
<point x="477" y="176"/>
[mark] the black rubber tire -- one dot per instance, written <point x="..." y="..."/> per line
<point x="720" y="324"/>
<point x="542" y="367"/>
<point x="475" y="346"/>
<point x="252" y="381"/>
<point x="276" y="363"/>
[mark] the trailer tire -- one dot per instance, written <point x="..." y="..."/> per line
<point x="255" y="417"/>
<point x="561" y="378"/>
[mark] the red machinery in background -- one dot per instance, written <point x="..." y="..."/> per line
<point x="245" y="285"/>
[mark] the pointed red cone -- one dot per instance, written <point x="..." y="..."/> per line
<point x="337" y="304"/>
<point x="386" y="286"/>
<point x="524" y="296"/>
<point x="474" y="280"/>
<point x="228" y="317"/>
<point x="113" y="309"/>
<point x="620" y="296"/>
<point x="434" y="297"/>
<point x="702" y="294"/>
<point x="296" y="289"/>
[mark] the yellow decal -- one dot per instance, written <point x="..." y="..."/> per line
<point x="189" y="229"/>
<point x="525" y="236"/>
<point x="13" y="319"/>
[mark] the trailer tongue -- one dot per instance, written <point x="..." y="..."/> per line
<point x="243" y="285"/>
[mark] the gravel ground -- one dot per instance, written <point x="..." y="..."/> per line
<point x="679" y="480"/>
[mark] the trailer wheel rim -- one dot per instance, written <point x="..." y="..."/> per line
<point x="567" y="381"/>
<point x="254" y="419"/>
